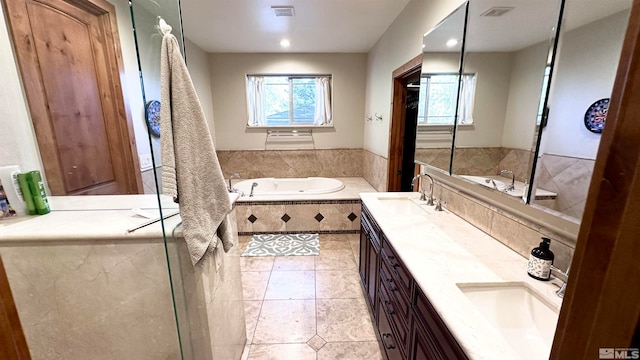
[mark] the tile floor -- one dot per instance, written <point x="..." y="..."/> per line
<point x="307" y="307"/>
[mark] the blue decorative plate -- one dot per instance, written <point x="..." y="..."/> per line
<point x="596" y="115"/>
<point x="152" y="116"/>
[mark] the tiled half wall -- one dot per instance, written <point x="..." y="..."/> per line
<point x="318" y="216"/>
<point x="569" y="178"/>
<point x="375" y="170"/>
<point x="252" y="164"/>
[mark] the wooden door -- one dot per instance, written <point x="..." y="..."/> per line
<point x="13" y="345"/>
<point x="70" y="61"/>
<point x="398" y="112"/>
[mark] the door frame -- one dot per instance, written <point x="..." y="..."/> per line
<point x="22" y="41"/>
<point x="398" y="120"/>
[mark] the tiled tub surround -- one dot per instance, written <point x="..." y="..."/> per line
<point x="252" y="164"/>
<point x="337" y="212"/>
<point x="479" y="161"/>
<point x="85" y="288"/>
<point x="442" y="250"/>
<point x="570" y="178"/>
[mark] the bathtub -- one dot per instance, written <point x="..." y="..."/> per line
<point x="289" y="186"/>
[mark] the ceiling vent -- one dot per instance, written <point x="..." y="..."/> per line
<point x="283" y="10"/>
<point x="497" y="11"/>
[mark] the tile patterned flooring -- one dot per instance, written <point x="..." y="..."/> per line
<point x="308" y="307"/>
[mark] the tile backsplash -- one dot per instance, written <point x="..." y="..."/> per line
<point x="251" y="164"/>
<point x="513" y="231"/>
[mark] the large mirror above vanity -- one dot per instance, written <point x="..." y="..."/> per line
<point x="529" y="103"/>
<point x="586" y="63"/>
<point x="439" y="85"/>
<point x="504" y="80"/>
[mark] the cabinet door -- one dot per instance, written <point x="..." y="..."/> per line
<point x="364" y="250"/>
<point x="423" y="346"/>
<point x="386" y="336"/>
<point x="372" y="272"/>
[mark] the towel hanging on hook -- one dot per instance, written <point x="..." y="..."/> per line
<point x="163" y="26"/>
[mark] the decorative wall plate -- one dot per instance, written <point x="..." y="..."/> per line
<point x="596" y="116"/>
<point x="152" y="116"/>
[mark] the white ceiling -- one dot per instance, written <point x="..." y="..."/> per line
<point x="530" y="22"/>
<point x="318" y="25"/>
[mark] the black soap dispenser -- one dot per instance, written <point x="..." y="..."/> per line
<point x="540" y="261"/>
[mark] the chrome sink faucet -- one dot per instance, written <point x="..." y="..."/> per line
<point x="233" y="176"/>
<point x="513" y="179"/>
<point x="564" y="276"/>
<point x="423" y="197"/>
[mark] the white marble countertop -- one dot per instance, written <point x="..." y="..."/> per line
<point x="103" y="217"/>
<point x="442" y="250"/>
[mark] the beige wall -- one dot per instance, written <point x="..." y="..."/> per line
<point x="524" y="94"/>
<point x="582" y="78"/>
<point x="198" y="64"/>
<point x="399" y="44"/>
<point x="18" y="139"/>
<point x="493" y="71"/>
<point x="229" y="96"/>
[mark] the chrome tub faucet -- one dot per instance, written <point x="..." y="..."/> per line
<point x="233" y="176"/>
<point x="513" y="179"/>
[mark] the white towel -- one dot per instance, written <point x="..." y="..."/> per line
<point x="190" y="169"/>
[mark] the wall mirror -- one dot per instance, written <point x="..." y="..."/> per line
<point x="438" y="91"/>
<point x="507" y="60"/>
<point x="585" y="68"/>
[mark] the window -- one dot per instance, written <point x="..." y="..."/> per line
<point x="438" y="96"/>
<point x="289" y="100"/>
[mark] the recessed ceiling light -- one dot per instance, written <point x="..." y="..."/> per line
<point x="285" y="43"/>
<point x="452" y="42"/>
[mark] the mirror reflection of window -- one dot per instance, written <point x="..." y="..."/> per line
<point x="438" y="95"/>
<point x="543" y="93"/>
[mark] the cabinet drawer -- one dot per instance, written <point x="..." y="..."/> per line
<point x="398" y="271"/>
<point x="387" y="338"/>
<point x="399" y="325"/>
<point x="402" y="302"/>
<point x="425" y="315"/>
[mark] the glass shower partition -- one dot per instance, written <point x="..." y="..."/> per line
<point x="146" y="18"/>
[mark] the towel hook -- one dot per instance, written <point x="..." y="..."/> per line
<point x="368" y="118"/>
<point x="378" y="117"/>
<point x="163" y="26"/>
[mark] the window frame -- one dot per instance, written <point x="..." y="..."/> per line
<point x="292" y="124"/>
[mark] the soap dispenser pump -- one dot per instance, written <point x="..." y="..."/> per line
<point x="540" y="261"/>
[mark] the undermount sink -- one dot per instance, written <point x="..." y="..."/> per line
<point x="405" y="205"/>
<point x="525" y="319"/>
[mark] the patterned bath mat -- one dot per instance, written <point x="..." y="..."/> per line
<point x="283" y="245"/>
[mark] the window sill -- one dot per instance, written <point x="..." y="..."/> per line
<point x="290" y="127"/>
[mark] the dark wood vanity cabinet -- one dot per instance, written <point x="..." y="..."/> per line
<point x="407" y="324"/>
<point x="369" y="257"/>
